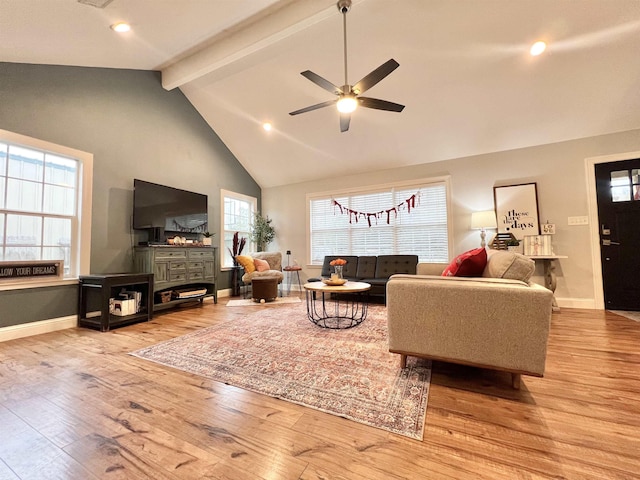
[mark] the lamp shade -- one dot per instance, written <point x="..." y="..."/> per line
<point x="485" y="219"/>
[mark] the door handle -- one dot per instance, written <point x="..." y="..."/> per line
<point x="608" y="243"/>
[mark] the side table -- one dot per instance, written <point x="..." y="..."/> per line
<point x="343" y="306"/>
<point x="105" y="286"/>
<point x="549" y="273"/>
<point x="289" y="271"/>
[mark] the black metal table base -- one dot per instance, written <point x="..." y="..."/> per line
<point x="337" y="310"/>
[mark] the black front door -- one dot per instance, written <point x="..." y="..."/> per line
<point x="618" y="191"/>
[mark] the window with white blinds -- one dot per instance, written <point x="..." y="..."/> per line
<point x="237" y="216"/>
<point x="386" y="220"/>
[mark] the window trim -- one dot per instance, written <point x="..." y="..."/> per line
<point x="421" y="182"/>
<point x="81" y="247"/>
<point x="238" y="196"/>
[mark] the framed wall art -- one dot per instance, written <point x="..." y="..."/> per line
<point x="517" y="209"/>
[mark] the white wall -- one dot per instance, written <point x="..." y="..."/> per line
<point x="558" y="169"/>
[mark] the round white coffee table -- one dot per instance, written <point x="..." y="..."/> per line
<point x="337" y="306"/>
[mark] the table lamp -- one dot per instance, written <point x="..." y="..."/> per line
<point x="481" y="221"/>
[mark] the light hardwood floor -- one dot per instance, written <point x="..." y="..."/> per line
<point x="75" y="405"/>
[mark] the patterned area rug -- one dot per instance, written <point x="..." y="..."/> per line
<point x="247" y="302"/>
<point x="630" y="315"/>
<point x="280" y="353"/>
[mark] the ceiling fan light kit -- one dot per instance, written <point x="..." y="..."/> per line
<point x="348" y="95"/>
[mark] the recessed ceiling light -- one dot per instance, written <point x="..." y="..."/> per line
<point x="267" y="126"/>
<point x="537" y="48"/>
<point x="121" y="27"/>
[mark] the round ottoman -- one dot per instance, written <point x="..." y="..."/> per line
<point x="264" y="289"/>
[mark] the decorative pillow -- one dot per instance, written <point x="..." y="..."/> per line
<point x="467" y="264"/>
<point x="511" y="265"/>
<point x="261" y="265"/>
<point x="247" y="263"/>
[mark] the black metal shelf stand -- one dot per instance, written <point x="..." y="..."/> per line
<point x="106" y="286"/>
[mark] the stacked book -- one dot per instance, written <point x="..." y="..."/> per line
<point x="189" y="293"/>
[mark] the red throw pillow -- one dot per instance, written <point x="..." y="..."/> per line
<point x="467" y="264"/>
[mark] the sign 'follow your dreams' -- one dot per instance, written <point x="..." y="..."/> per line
<point x="35" y="269"/>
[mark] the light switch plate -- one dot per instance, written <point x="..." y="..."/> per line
<point x="583" y="220"/>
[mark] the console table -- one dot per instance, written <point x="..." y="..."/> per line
<point x="178" y="268"/>
<point x="549" y="272"/>
<point x="105" y="286"/>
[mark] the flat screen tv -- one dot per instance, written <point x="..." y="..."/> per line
<point x="174" y="210"/>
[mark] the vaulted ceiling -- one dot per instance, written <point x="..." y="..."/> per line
<point x="466" y="77"/>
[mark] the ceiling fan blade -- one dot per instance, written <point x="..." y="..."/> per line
<point x="380" y="104"/>
<point x="345" y="119"/>
<point x="321" y="82"/>
<point x="314" y="107"/>
<point x="374" y="77"/>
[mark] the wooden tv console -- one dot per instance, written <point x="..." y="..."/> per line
<point x="178" y="268"/>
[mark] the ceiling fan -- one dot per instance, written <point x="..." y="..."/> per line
<point x="349" y="95"/>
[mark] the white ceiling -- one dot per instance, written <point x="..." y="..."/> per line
<point x="465" y="75"/>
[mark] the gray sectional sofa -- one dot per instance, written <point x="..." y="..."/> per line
<point x="374" y="270"/>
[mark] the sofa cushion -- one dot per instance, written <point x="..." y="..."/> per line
<point x="348" y="270"/>
<point x="511" y="265"/>
<point x="387" y="265"/>
<point x="468" y="264"/>
<point x="366" y="267"/>
<point x="246" y="262"/>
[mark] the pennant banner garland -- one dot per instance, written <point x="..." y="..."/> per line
<point x="373" y="217"/>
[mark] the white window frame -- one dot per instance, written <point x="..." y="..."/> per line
<point x="81" y="225"/>
<point x="444" y="180"/>
<point x="253" y="201"/>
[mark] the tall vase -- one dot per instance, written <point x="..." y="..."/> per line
<point x="235" y="281"/>
<point x="337" y="272"/>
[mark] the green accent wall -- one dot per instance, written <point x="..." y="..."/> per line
<point x="135" y="129"/>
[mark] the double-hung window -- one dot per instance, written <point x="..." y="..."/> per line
<point x="401" y="218"/>
<point x="42" y="202"/>
<point x="237" y="216"/>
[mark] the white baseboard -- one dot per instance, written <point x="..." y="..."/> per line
<point x="36" y="328"/>
<point x="588" y="303"/>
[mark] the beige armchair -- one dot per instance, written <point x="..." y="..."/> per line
<point x="497" y="323"/>
<point x="274" y="259"/>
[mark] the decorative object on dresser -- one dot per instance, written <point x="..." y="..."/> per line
<point x="207" y="238"/>
<point x="501" y="241"/>
<point x="181" y="269"/>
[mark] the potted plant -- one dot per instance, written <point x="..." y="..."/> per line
<point x="262" y="233"/>
<point x="207" y="238"/>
